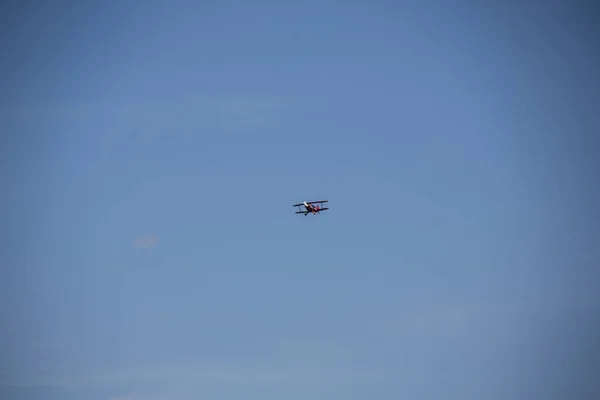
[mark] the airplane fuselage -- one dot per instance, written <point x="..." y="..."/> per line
<point x="310" y="207"/>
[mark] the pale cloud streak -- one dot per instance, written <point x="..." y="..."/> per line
<point x="170" y="378"/>
<point x="245" y="112"/>
<point x="145" y="242"/>
<point x="121" y="118"/>
<point x="142" y="397"/>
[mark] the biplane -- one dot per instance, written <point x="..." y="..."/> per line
<point x="309" y="207"/>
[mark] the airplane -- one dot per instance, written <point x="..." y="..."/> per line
<point x="308" y="206"/>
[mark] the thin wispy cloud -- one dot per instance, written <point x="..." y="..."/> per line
<point x="449" y="319"/>
<point x="193" y="116"/>
<point x="145" y="242"/>
<point x="206" y="375"/>
<point x="245" y="112"/>
<point x="189" y="376"/>
<point x="142" y="397"/>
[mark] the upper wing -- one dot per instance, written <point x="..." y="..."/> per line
<point x="311" y="202"/>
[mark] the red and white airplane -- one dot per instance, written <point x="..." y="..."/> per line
<point x="308" y="207"/>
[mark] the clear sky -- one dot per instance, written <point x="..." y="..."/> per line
<point x="151" y="152"/>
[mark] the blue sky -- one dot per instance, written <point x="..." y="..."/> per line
<point x="151" y="152"/>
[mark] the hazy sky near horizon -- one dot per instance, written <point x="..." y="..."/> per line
<point x="151" y="152"/>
